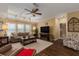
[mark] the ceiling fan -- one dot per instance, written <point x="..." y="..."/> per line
<point x="34" y="11"/>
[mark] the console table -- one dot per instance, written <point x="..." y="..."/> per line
<point x="4" y="40"/>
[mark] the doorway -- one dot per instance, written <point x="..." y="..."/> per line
<point x="62" y="30"/>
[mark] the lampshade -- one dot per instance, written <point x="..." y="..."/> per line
<point x="4" y="27"/>
<point x="34" y="27"/>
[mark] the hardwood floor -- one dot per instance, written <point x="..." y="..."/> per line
<point x="57" y="49"/>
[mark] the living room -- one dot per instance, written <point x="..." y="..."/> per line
<point x="39" y="28"/>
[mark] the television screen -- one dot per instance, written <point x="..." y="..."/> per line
<point x="45" y="29"/>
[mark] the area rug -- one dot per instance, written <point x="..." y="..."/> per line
<point x="39" y="45"/>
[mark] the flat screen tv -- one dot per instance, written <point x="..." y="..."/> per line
<point x="44" y="29"/>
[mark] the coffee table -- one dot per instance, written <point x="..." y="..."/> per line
<point x="25" y="41"/>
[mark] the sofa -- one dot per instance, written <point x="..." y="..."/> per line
<point x="7" y="50"/>
<point x="23" y="37"/>
<point x="72" y="41"/>
<point x="16" y="37"/>
<point x="23" y="34"/>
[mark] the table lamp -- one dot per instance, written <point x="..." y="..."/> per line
<point x="5" y="28"/>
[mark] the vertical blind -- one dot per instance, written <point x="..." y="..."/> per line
<point x="20" y="27"/>
<point x="11" y="28"/>
<point x="28" y="28"/>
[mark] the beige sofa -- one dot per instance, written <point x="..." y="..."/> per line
<point x="7" y="50"/>
<point x="16" y="37"/>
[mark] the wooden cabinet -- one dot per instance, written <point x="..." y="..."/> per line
<point x="45" y="36"/>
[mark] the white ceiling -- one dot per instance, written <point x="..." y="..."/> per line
<point x="48" y="10"/>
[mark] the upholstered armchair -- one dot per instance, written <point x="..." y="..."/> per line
<point x="72" y="41"/>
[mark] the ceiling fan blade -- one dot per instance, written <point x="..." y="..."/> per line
<point x="28" y="13"/>
<point x="33" y="15"/>
<point x="34" y="10"/>
<point x="28" y="10"/>
<point x="39" y="13"/>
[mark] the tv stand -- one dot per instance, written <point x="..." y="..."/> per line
<point x="45" y="36"/>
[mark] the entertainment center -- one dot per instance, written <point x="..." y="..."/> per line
<point x="45" y="33"/>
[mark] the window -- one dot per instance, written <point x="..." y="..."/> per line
<point x="28" y="28"/>
<point x="11" y="28"/>
<point x="20" y="27"/>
